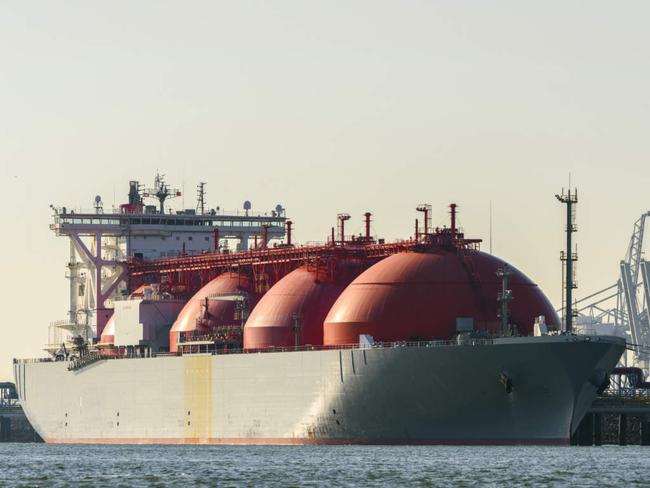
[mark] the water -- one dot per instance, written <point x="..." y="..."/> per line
<point x="327" y="466"/>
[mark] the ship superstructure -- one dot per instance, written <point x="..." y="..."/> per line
<point x="103" y="243"/>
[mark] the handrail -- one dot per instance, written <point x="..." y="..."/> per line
<point x="640" y="394"/>
<point x="33" y="360"/>
<point x="133" y="352"/>
<point x="56" y="323"/>
<point x="85" y="360"/>
<point x="114" y="211"/>
<point x="115" y="354"/>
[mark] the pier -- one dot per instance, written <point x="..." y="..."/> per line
<point x="14" y="426"/>
<point x="619" y="417"/>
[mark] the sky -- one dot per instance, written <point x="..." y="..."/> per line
<point x="324" y="107"/>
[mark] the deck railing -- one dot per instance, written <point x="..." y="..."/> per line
<point x="198" y="346"/>
<point x="134" y="352"/>
<point x="375" y="345"/>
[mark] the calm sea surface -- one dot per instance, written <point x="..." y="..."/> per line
<point x="52" y="465"/>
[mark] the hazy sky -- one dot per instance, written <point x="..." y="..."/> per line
<point x="324" y="107"/>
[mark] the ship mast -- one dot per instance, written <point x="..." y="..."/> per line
<point x="568" y="257"/>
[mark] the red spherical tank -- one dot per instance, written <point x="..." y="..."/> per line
<point x="292" y="311"/>
<point x="203" y="315"/>
<point x="420" y="296"/>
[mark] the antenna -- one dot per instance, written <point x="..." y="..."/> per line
<point x="490" y="226"/>
<point x="247" y="206"/>
<point x="200" y="197"/>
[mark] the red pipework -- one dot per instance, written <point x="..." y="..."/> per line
<point x="453" y="219"/>
<point x="289" y="224"/>
<point x="425" y="209"/>
<point x="367" y="215"/>
<point x="185" y="273"/>
<point x="342" y="218"/>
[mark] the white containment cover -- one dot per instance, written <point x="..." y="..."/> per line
<point x="145" y="322"/>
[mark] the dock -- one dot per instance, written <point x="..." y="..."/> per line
<point x="14" y="426"/>
<point x="619" y="417"/>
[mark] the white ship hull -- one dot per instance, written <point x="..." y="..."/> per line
<point x="452" y="394"/>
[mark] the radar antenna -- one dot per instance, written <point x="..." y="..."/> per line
<point x="161" y="191"/>
<point x="99" y="205"/>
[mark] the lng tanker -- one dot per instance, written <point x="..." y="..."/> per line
<point x="173" y="336"/>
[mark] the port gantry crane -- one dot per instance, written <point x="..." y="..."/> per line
<point x="626" y="303"/>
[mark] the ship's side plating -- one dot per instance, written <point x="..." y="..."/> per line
<point x="511" y="391"/>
